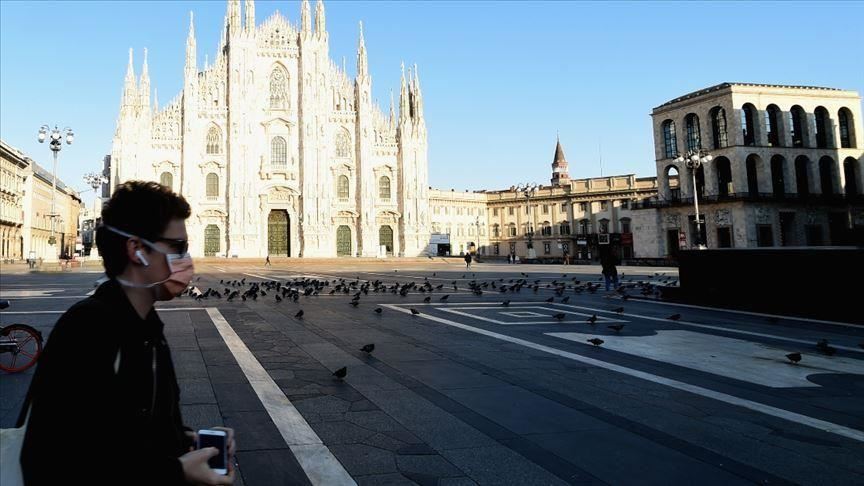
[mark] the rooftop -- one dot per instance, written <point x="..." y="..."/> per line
<point x="720" y="86"/>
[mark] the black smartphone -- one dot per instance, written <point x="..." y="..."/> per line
<point x="217" y="439"/>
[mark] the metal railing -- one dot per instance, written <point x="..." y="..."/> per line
<point x="829" y="199"/>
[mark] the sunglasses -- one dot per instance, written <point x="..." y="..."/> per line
<point x="180" y="246"/>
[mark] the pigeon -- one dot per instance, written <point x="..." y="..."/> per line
<point x="618" y="310"/>
<point x="378" y="310"/>
<point x="415" y="311"/>
<point x="674" y="317"/>
<point x="427" y="300"/>
<point x="794" y="358"/>
<point x="506" y="303"/>
<point x="565" y="300"/>
<point x="341" y="372"/>
<point x="299" y="314"/>
<point x="550" y="300"/>
<point x="368" y="348"/>
<point x="354" y="303"/>
<point x="560" y="316"/>
<point x="596" y="341"/>
<point x="278" y="299"/>
<point x="592" y="319"/>
<point x="444" y="298"/>
<point x="616" y="327"/>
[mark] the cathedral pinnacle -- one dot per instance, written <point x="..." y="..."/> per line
<point x="234" y="25"/>
<point x="320" y="21"/>
<point x="305" y="19"/>
<point x="250" y="15"/>
<point x="191" y="50"/>
<point x="362" y="62"/>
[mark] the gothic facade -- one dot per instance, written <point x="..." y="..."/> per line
<point x="277" y="150"/>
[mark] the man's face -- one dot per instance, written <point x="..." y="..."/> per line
<point x="168" y="243"/>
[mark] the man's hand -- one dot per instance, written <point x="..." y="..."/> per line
<point x="197" y="471"/>
<point x="194" y="436"/>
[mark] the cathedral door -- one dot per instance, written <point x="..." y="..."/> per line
<point x="211" y="240"/>
<point x="278" y="234"/>
<point x="343" y="241"/>
<point x="385" y="238"/>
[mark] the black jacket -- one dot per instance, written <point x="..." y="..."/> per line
<point x="91" y="423"/>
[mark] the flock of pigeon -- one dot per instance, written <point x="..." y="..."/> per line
<point x="293" y="289"/>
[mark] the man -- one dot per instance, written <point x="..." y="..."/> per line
<point x="608" y="260"/>
<point x="104" y="401"/>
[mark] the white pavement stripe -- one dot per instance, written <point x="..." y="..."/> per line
<point x="91" y="292"/>
<point x="45" y="297"/>
<point x="798" y="418"/>
<point x="320" y="465"/>
<point x="602" y="320"/>
<point x="261" y="277"/>
<point x="30" y="312"/>
<point x="748" y="313"/>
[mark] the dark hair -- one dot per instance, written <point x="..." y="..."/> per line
<point x="140" y="208"/>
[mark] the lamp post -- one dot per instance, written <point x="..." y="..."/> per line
<point x="693" y="160"/>
<point x="95" y="181"/>
<point x="55" y="144"/>
<point x="529" y="190"/>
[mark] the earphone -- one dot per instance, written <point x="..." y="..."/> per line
<point x="141" y="257"/>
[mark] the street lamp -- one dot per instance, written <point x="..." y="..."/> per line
<point x="693" y="160"/>
<point x="95" y="181"/>
<point x="55" y="144"/>
<point x="529" y="190"/>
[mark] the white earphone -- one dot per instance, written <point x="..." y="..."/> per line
<point x="141" y="257"/>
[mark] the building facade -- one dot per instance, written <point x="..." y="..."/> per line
<point x="569" y="216"/>
<point x="25" y="203"/>
<point x="277" y="150"/>
<point x="786" y="169"/>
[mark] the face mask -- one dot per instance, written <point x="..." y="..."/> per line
<point x="179" y="264"/>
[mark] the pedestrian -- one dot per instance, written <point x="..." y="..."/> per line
<point x="267" y="261"/>
<point x="608" y="261"/>
<point x="566" y="257"/>
<point x="508" y="258"/>
<point x="103" y="403"/>
<point x="468" y="260"/>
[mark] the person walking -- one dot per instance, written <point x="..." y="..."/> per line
<point x="103" y="403"/>
<point x="267" y="261"/>
<point x="608" y="260"/>
<point x="468" y="260"/>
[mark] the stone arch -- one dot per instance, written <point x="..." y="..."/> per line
<point x="798" y="126"/>
<point x="778" y="175"/>
<point x="214" y="140"/>
<point x="279" y="82"/>
<point x="802" y="175"/>
<point x="823" y="127"/>
<point x="342" y="145"/>
<point x="847" y="128"/>
<point x="827" y="176"/>
<point x="166" y="178"/>
<point x="719" y="127"/>
<point x="694" y="131"/>
<point x="749" y="124"/>
<point x="673" y="181"/>
<point x="753" y="166"/>
<point x="773" y="119"/>
<point x="851" y="175"/>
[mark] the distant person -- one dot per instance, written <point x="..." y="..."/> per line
<point x="566" y="257"/>
<point x="468" y="260"/>
<point x="103" y="401"/>
<point x="508" y="258"/>
<point x="608" y="260"/>
<point x="267" y="261"/>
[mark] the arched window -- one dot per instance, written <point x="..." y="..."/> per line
<point x="673" y="182"/>
<point x="748" y="124"/>
<point x="384" y="187"/>
<point x="625" y="225"/>
<point x="772" y="125"/>
<point x="167" y="180"/>
<point x="564" y="228"/>
<point x="724" y="176"/>
<point x="847" y="128"/>
<point x="496" y="231"/>
<point x="719" y="128"/>
<point x="343" y="144"/>
<point x="694" y="135"/>
<point x="214" y="141"/>
<point x="802" y="175"/>
<point x="753" y="162"/>
<point x="604" y="225"/>
<point x="342" y="187"/>
<point x="778" y="175"/>
<point x="584" y="227"/>
<point x="798" y="120"/>
<point x="823" y="126"/>
<point x="278" y="152"/>
<point x="670" y="142"/>
<point x="212" y="185"/>
<point x="851" y="176"/>
<point x="512" y="229"/>
<point x="826" y="175"/>
<point x="278" y="89"/>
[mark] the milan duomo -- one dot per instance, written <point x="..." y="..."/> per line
<point x="277" y="151"/>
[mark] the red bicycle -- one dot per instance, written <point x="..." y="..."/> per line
<point x="20" y="345"/>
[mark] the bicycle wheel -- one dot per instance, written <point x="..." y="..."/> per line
<point x="28" y="347"/>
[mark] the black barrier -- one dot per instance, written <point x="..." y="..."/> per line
<point x="820" y="283"/>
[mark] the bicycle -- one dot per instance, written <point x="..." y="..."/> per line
<point x="18" y="340"/>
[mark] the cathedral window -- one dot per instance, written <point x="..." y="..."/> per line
<point x="278" y="152"/>
<point x="212" y="185"/>
<point x="167" y="180"/>
<point x="384" y="187"/>
<point x="214" y="141"/>
<point x="342" y="187"/>
<point x="343" y="145"/>
<point x="278" y="91"/>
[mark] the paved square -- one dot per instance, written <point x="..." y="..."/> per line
<point x="468" y="390"/>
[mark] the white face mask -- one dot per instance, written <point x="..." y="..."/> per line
<point x="179" y="265"/>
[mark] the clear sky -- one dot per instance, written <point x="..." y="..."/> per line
<point x="500" y="79"/>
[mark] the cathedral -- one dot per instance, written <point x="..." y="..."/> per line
<point x="277" y="150"/>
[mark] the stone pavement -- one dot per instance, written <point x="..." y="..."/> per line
<point x="469" y="392"/>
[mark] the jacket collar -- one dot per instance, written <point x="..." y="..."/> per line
<point x="129" y="323"/>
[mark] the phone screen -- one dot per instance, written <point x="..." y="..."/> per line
<point x="217" y="441"/>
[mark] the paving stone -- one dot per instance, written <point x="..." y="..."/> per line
<point x="323" y="404"/>
<point x="201" y="416"/>
<point x="393" y="479"/>
<point x="226" y="374"/>
<point x="254" y="431"/>
<point x="196" y="390"/>
<point x="271" y="467"/>
<point x="236" y="397"/>
<point x="427" y="464"/>
<point x="362" y="460"/>
<point x="341" y="432"/>
<point x="499" y="465"/>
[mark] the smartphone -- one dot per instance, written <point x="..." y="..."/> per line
<point x="217" y="439"/>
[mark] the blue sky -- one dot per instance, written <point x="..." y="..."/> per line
<point x="500" y="79"/>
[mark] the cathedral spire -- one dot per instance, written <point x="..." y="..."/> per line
<point x="404" y="110"/>
<point x="320" y="19"/>
<point x="392" y="113"/>
<point x="191" y="49"/>
<point x="234" y="25"/>
<point x="250" y="15"/>
<point x="155" y="100"/>
<point x="130" y="88"/>
<point x="362" y="63"/>
<point x="305" y="19"/>
<point x="418" y="95"/>
<point x="144" y="84"/>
